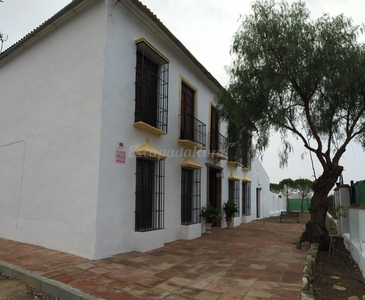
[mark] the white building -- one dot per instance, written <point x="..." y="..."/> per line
<point x="351" y="226"/>
<point x="109" y="141"/>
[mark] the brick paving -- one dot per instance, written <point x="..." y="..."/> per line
<point x="252" y="261"/>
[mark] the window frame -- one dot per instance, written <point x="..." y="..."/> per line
<point x="246" y="198"/>
<point x="149" y="194"/>
<point x="192" y="131"/>
<point x="190" y="202"/>
<point x="234" y="194"/>
<point x="151" y="89"/>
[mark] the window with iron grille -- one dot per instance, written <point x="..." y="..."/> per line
<point x="218" y="142"/>
<point x="152" y="73"/>
<point x="246" y="198"/>
<point x="190" y="195"/>
<point x="150" y="194"/>
<point x="234" y="152"/>
<point x="247" y="154"/>
<point x="191" y="128"/>
<point x="234" y="194"/>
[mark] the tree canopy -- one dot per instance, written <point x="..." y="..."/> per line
<point x="303" y="78"/>
<point x="304" y="188"/>
<point x="275" y="188"/>
<point x="288" y="186"/>
<point x="294" y="75"/>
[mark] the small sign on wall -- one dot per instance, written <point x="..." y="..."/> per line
<point x="120" y="154"/>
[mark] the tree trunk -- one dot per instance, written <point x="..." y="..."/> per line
<point x="315" y="229"/>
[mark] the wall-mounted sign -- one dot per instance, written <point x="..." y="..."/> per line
<point x="120" y="154"/>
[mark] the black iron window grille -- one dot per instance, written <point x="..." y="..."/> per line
<point x="246" y="198"/>
<point x="218" y="143"/>
<point x="192" y="129"/>
<point x="234" y="194"/>
<point x="150" y="194"/>
<point x="190" y="195"/>
<point x="234" y="153"/>
<point x="247" y="154"/>
<point x="152" y="74"/>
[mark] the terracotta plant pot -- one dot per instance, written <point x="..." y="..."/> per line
<point x="229" y="222"/>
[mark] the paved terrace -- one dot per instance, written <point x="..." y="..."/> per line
<point x="253" y="261"/>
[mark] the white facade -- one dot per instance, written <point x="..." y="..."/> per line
<point x="67" y="101"/>
<point x="352" y="227"/>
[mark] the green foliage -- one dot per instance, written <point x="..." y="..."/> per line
<point x="304" y="187"/>
<point x="275" y="188"/>
<point x="230" y="208"/>
<point x="287" y="187"/>
<point x="210" y="214"/>
<point x="339" y="211"/>
<point x="297" y="76"/>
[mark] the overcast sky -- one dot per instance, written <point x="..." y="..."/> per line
<point x="206" y="28"/>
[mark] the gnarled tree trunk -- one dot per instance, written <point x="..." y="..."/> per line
<point x="315" y="229"/>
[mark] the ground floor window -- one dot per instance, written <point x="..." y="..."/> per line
<point x="190" y="195"/>
<point x="150" y="194"/>
<point x="233" y="193"/>
<point x="246" y="198"/>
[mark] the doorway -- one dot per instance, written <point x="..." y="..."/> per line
<point x="258" y="190"/>
<point x="214" y="190"/>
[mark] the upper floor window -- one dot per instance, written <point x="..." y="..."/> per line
<point x="187" y="112"/>
<point x="192" y="130"/>
<point x="151" y="95"/>
<point x="218" y="142"/>
<point x="234" y="152"/>
<point x="247" y="153"/>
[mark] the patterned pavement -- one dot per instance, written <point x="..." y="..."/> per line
<point x="252" y="261"/>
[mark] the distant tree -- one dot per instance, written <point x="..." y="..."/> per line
<point x="304" y="188"/>
<point x="287" y="188"/>
<point x="300" y="77"/>
<point x="275" y="188"/>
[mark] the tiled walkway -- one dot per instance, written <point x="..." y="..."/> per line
<point x="252" y="261"/>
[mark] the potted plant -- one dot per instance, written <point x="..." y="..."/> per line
<point x="210" y="215"/>
<point x="230" y="208"/>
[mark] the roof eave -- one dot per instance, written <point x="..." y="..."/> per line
<point x="65" y="12"/>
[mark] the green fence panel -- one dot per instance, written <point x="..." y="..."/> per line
<point x="295" y="204"/>
<point x="360" y="192"/>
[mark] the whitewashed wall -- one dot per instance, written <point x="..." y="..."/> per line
<point x="50" y="108"/>
<point x="65" y="104"/>
<point x="116" y="205"/>
<point x="352" y="227"/>
<point x="270" y="204"/>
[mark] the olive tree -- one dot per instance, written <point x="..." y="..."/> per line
<point x="303" y="78"/>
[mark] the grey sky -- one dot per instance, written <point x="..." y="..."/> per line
<point x="206" y="28"/>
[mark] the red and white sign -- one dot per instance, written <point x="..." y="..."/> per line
<point x="120" y="154"/>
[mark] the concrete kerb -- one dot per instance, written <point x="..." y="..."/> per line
<point x="52" y="287"/>
<point x="307" y="290"/>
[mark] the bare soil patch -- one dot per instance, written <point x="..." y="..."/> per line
<point x="13" y="289"/>
<point x="334" y="276"/>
